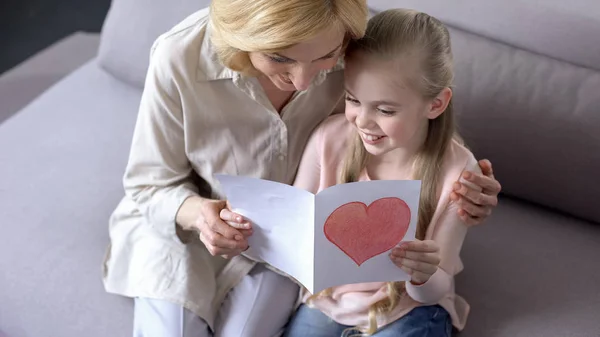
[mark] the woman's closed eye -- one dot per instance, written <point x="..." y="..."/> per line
<point x="282" y="59"/>
<point x="279" y="59"/>
<point x="352" y="100"/>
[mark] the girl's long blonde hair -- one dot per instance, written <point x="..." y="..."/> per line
<point x="391" y="34"/>
<point x="242" y="26"/>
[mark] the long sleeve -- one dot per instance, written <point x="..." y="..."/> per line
<point x="449" y="236"/>
<point x="450" y="232"/>
<point x="158" y="170"/>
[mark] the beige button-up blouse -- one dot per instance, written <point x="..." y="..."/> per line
<point x="196" y="119"/>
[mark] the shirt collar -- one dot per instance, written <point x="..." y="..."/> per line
<point x="210" y="67"/>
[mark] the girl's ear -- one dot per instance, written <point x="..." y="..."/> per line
<point x="439" y="104"/>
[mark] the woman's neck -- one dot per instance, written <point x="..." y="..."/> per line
<point x="277" y="97"/>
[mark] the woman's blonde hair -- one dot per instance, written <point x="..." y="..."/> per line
<point x="243" y="26"/>
<point x="391" y="35"/>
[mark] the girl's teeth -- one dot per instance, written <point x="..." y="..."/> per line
<point x="372" y="138"/>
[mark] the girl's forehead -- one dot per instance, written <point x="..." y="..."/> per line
<point x="379" y="80"/>
<point x="400" y="69"/>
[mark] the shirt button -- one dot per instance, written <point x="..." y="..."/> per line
<point x="281" y="157"/>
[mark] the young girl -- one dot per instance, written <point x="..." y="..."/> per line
<point x="400" y="124"/>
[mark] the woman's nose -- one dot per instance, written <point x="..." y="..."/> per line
<point x="303" y="76"/>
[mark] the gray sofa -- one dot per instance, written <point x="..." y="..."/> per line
<point x="528" y="96"/>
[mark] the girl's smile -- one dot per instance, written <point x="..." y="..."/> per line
<point x="371" y="138"/>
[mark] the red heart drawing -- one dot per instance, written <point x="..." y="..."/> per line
<point x="363" y="232"/>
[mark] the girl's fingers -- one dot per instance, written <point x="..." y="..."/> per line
<point x="427" y="246"/>
<point x="431" y="258"/>
<point x="417" y="266"/>
<point x="406" y="270"/>
<point x="415" y="276"/>
<point x="418" y="277"/>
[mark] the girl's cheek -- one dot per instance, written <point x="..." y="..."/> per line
<point x="398" y="130"/>
<point x="351" y="112"/>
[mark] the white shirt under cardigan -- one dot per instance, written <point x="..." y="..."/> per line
<point x="198" y="118"/>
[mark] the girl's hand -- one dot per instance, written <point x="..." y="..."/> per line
<point x="419" y="259"/>
<point x="475" y="206"/>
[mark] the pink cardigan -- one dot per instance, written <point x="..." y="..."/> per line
<point x="349" y="304"/>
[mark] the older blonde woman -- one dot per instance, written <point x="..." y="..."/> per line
<point x="233" y="89"/>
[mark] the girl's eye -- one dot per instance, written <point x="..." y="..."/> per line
<point x="279" y="59"/>
<point x="386" y="112"/>
<point x="352" y="100"/>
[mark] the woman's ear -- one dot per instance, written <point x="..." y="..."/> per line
<point x="439" y="104"/>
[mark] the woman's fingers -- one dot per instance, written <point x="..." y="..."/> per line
<point x="219" y="237"/>
<point x="219" y="245"/>
<point x="486" y="167"/>
<point x="475" y="196"/>
<point x="246" y="232"/>
<point x="233" y="219"/>
<point x="486" y="180"/>
<point x="211" y="220"/>
<point x="487" y="183"/>
<point x="219" y="226"/>
<point x="474" y="210"/>
<point x="469" y="220"/>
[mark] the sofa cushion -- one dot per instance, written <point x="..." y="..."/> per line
<point x="565" y="30"/>
<point x="66" y="153"/>
<point x="21" y="84"/>
<point x="530" y="272"/>
<point x="131" y="27"/>
<point x="535" y="118"/>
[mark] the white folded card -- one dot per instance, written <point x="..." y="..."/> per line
<point x="342" y="235"/>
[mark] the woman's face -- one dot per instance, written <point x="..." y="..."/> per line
<point x="296" y="67"/>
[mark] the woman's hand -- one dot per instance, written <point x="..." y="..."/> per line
<point x="223" y="232"/>
<point x="475" y="206"/>
<point x="419" y="259"/>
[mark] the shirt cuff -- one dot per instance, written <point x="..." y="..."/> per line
<point x="163" y="212"/>
<point x="432" y="291"/>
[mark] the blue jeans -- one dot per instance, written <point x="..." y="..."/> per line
<point x="426" y="321"/>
